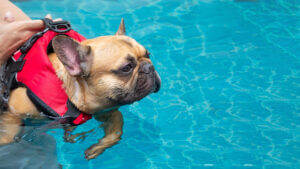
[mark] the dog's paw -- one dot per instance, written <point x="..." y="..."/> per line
<point x="93" y="151"/>
<point x="73" y="138"/>
<point x="70" y="138"/>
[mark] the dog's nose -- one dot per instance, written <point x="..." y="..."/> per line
<point x="146" y="67"/>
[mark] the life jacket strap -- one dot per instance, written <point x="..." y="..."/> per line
<point x="8" y="72"/>
<point x="70" y="117"/>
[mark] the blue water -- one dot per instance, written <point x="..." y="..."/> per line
<point x="230" y="95"/>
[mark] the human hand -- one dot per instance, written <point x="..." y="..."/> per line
<point x="13" y="34"/>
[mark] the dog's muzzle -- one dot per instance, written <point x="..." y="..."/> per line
<point x="148" y="69"/>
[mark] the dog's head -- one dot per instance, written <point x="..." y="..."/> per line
<point x="109" y="70"/>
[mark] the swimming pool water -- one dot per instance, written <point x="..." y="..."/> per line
<point x="230" y="83"/>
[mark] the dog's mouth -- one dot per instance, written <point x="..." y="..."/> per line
<point x="145" y="85"/>
<point x="157" y="82"/>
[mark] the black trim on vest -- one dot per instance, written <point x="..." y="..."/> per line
<point x="41" y="106"/>
<point x="72" y="113"/>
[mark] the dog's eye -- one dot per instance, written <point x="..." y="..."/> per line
<point x="127" y="68"/>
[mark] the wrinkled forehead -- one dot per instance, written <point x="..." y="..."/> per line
<point x="133" y="45"/>
<point x="113" y="51"/>
<point x="117" y="45"/>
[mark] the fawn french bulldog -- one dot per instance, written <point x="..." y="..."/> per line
<point x="99" y="75"/>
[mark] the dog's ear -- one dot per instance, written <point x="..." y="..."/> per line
<point x="76" y="58"/>
<point x="121" y="30"/>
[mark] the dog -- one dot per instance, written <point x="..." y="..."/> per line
<point x="99" y="75"/>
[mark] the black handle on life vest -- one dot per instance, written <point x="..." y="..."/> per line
<point x="28" y="44"/>
<point x="57" y="26"/>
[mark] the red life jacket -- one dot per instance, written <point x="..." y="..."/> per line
<point x="44" y="88"/>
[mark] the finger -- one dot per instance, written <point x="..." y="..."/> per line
<point x="8" y="17"/>
<point x="34" y="25"/>
<point x="48" y="16"/>
<point x="58" y="19"/>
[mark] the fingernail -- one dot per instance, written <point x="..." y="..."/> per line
<point x="58" y="19"/>
<point x="48" y="16"/>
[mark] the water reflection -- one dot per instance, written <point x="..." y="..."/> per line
<point x="36" y="149"/>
